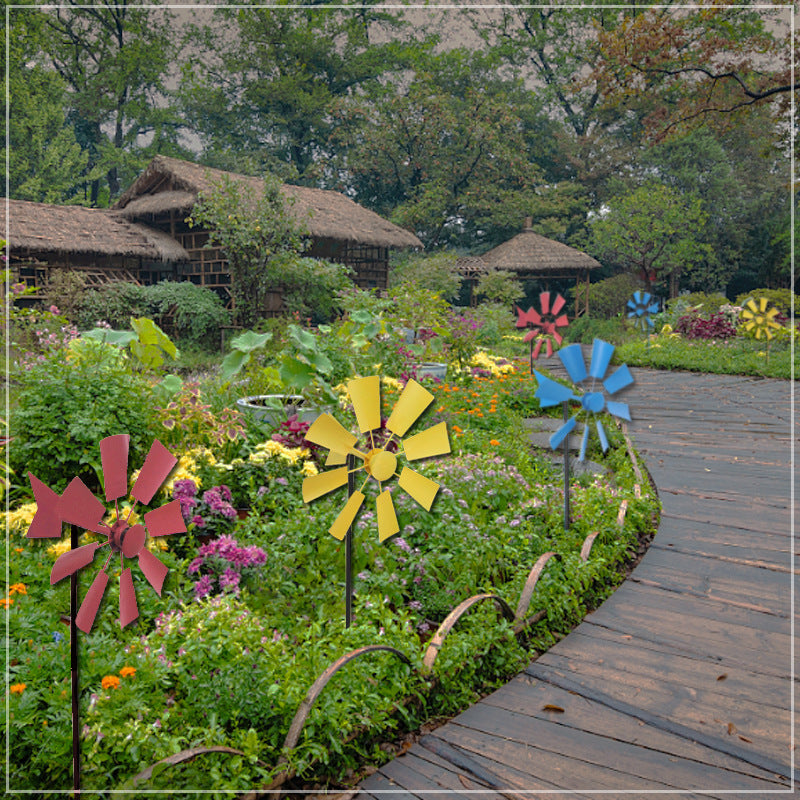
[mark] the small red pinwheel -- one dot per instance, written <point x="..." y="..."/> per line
<point x="543" y="326"/>
<point x="78" y="506"/>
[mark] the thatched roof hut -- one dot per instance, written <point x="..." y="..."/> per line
<point x="99" y="243"/>
<point x="340" y="229"/>
<point x="171" y="184"/>
<point x="531" y="255"/>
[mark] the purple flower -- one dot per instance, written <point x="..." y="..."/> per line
<point x="230" y="581"/>
<point x="199" y="521"/>
<point x="203" y="587"/>
<point x="196" y="564"/>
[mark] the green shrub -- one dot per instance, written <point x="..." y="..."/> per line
<point x="496" y="321"/>
<point x="499" y="286"/>
<point x="780" y="298"/>
<point x="587" y="329"/>
<point x="309" y="285"/>
<point x="198" y="314"/>
<point x="114" y="303"/>
<point x="608" y="297"/>
<point x="66" y="405"/>
<point x="436" y="272"/>
<point x="707" y="303"/>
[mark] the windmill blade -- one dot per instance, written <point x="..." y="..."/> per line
<point x="563" y="432"/>
<point x="522" y="318"/>
<point x="558" y="337"/>
<point x="46" y="522"/>
<point x="335" y="459"/>
<point x="557" y="305"/>
<point x="562" y="321"/>
<point x="85" y="617"/>
<point x="387" y="519"/>
<point x="430" y="442"/>
<point x="410" y="405"/>
<point x="584" y="442"/>
<point x="346" y="516"/>
<point x="639" y="298"/>
<point x="620" y="410"/>
<point x="619" y="379"/>
<point x="550" y="393"/>
<point x="165" y="520"/>
<point x="72" y="561"/>
<point x="421" y="489"/>
<point x="533" y="333"/>
<point x="538" y="347"/>
<point x="128" y="608"/>
<point x="633" y="308"/>
<point x="601" y="432"/>
<point x="158" y="464"/>
<point x="327" y="432"/>
<point x="318" y="485"/>
<point x="601" y="356"/>
<point x="653" y="308"/>
<point x="572" y="358"/>
<point x="153" y="569"/>
<point x="80" y="507"/>
<point x="548" y="347"/>
<point x="544" y="302"/>
<point x="365" y="395"/>
<point x="114" y="456"/>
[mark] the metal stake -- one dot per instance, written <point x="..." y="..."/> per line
<point x="348" y="547"/>
<point x="566" y="469"/>
<point x="73" y="655"/>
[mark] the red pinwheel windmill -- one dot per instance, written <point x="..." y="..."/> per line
<point x="78" y="506"/>
<point x="543" y="325"/>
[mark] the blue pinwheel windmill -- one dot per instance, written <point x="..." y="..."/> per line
<point x="592" y="402"/>
<point x="641" y="306"/>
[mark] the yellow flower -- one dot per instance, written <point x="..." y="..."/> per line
<point x="309" y="469"/>
<point x="20" y="519"/>
<point x="156" y="544"/>
<point x="392" y="383"/>
<point x="17" y="688"/>
<point x="56" y="550"/>
<point x="258" y="458"/>
<point x="271" y="447"/>
<point x="110" y="682"/>
<point x="17" y="588"/>
<point x="127" y="672"/>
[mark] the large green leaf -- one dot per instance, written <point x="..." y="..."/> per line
<point x="250" y="340"/>
<point x="296" y="374"/>
<point x="118" y="338"/>
<point x="233" y="363"/>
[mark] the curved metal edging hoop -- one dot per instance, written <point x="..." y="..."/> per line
<point x="319" y="684"/>
<point x="187" y="755"/>
<point x="530" y="583"/>
<point x="438" y="638"/>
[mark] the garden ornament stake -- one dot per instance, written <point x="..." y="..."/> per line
<point x="543" y="325"/>
<point x="81" y="510"/>
<point x="380" y="461"/>
<point x="592" y="402"/>
<point x="641" y="306"/>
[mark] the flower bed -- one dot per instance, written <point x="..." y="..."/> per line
<point x="227" y="666"/>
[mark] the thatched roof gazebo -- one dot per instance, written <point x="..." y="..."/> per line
<point x="339" y="228"/>
<point x="100" y="244"/>
<point x="530" y="255"/>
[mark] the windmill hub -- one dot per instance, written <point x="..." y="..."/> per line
<point x="593" y="401"/>
<point x="129" y="540"/>
<point x="381" y="464"/>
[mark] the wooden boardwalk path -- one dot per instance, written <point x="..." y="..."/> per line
<point x="680" y="684"/>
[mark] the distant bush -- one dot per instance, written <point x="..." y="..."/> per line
<point x="705" y="303"/>
<point x="780" y="298"/>
<point x="587" y="329"/>
<point x="716" y="326"/>
<point x="197" y="316"/>
<point x="608" y="297"/>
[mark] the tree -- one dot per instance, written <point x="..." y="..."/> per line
<point x="257" y="234"/>
<point x="444" y="155"/>
<point x="652" y="230"/>
<point x="266" y="80"/>
<point x="113" y="57"/>
<point x="686" y="67"/>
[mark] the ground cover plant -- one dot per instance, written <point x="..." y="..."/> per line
<point x="252" y="608"/>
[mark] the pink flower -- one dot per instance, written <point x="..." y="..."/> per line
<point x="54" y="310"/>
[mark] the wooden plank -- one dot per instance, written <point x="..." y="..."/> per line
<point x="751" y="543"/>
<point x="529" y="696"/>
<point x="584" y="761"/>
<point x="761" y="589"/>
<point x="745" y="751"/>
<point x="421" y="777"/>
<point x="728" y="512"/>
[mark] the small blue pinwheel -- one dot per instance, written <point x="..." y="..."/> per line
<point x="592" y="402"/>
<point x="641" y="306"/>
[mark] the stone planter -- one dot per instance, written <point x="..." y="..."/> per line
<point x="277" y="408"/>
<point x="432" y="369"/>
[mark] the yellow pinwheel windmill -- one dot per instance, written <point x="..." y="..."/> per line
<point x="379" y="462"/>
<point x="758" y="318"/>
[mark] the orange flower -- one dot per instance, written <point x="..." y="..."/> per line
<point x="17" y="688"/>
<point x="494" y="442"/>
<point x="18" y="550"/>
<point x="127" y="671"/>
<point x="457" y="429"/>
<point x="6" y="601"/>
<point x="17" y="588"/>
<point x="110" y="682"/>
